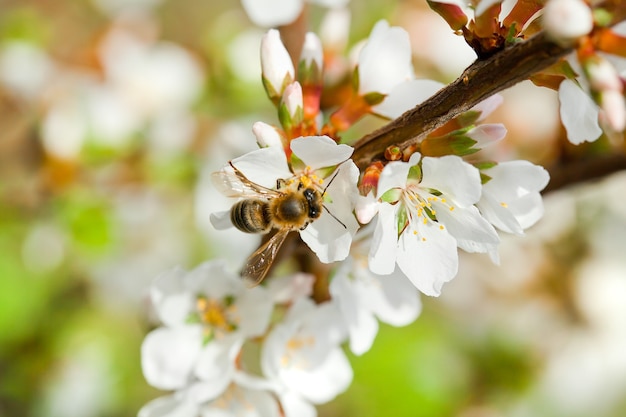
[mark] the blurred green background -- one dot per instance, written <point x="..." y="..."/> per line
<point x="94" y="205"/>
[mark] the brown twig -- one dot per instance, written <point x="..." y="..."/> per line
<point x="481" y="80"/>
<point x="568" y="173"/>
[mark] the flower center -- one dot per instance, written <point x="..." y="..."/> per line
<point x="295" y="344"/>
<point x="217" y="316"/>
<point x="420" y="206"/>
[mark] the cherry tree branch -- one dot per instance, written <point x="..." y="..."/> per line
<point x="563" y="174"/>
<point x="479" y="81"/>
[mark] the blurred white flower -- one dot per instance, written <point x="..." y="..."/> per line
<point x="25" y="69"/>
<point x="363" y="297"/>
<point x="271" y="13"/>
<point x="234" y="402"/>
<point x="385" y="68"/>
<point x="566" y="21"/>
<point x="302" y="357"/>
<point x="207" y="314"/>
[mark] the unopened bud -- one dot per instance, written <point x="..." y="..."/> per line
<point x="276" y="65"/>
<point x="602" y="74"/>
<point x="291" y="106"/>
<point x="612" y="102"/>
<point x="567" y="20"/>
<point x="267" y="135"/>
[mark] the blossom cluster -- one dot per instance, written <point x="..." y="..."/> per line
<point x="387" y="232"/>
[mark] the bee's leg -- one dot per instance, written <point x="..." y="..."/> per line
<point x="280" y="184"/>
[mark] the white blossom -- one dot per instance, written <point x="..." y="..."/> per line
<point x="384" y="67"/>
<point x="363" y="297"/>
<point x="207" y="314"/>
<point x="510" y="199"/>
<point x="302" y="357"/>
<point x="425" y="210"/>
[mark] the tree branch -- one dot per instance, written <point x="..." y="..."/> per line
<point x="564" y="174"/>
<point x="479" y="81"/>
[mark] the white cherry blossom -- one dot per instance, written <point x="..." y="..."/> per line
<point x="384" y="67"/>
<point x="329" y="236"/>
<point x="237" y="400"/>
<point x="207" y="314"/>
<point x="425" y="210"/>
<point x="301" y="356"/>
<point x="510" y="199"/>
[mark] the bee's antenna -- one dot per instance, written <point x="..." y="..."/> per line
<point x="330" y="182"/>
<point x="335" y="217"/>
<point x="324" y="192"/>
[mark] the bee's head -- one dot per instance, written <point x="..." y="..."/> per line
<point x="314" y="201"/>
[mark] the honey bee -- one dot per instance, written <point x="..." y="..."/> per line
<point x="293" y="205"/>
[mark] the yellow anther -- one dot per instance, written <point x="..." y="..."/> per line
<point x="441" y="227"/>
<point x="423" y="239"/>
<point x="503" y="204"/>
<point x="433" y="212"/>
<point x="425" y="221"/>
<point x="414" y="232"/>
<point x="451" y="208"/>
<point x="443" y="200"/>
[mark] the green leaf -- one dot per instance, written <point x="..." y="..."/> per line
<point x="391" y="196"/>
<point x="402" y="220"/>
<point x="485" y="164"/>
<point x="374" y="98"/>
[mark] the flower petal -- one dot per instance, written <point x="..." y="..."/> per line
<point x="169" y="406"/>
<point x="324" y="382"/>
<point x="385" y="60"/>
<point x="392" y="298"/>
<point x="264" y="166"/>
<point x="472" y="232"/>
<point x="428" y="258"/>
<point x="394" y="175"/>
<point x="320" y="151"/>
<point x="172" y="303"/>
<point x="579" y="114"/>
<point x="168" y="356"/>
<point x="270" y="13"/>
<point x="382" y="256"/>
<point x="296" y="406"/>
<point x="455" y="178"/>
<point x="405" y="96"/>
<point x="221" y="220"/>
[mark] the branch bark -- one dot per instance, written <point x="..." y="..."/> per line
<point x="479" y="81"/>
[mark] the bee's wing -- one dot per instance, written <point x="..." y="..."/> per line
<point x="232" y="183"/>
<point x="259" y="263"/>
